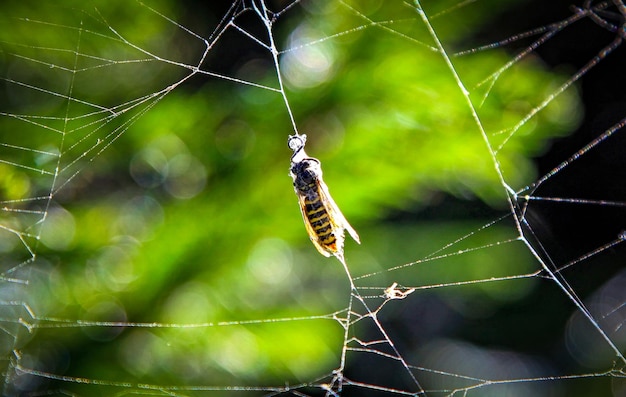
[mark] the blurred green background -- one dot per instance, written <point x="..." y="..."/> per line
<point x="172" y="209"/>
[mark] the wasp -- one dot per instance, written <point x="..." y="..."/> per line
<point x="323" y="220"/>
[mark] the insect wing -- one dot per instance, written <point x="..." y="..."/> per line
<point x="336" y="217"/>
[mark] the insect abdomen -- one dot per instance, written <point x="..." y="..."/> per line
<point x="319" y="219"/>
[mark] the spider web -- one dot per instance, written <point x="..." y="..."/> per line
<point x="150" y="241"/>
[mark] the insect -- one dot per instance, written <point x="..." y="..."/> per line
<point x="322" y="218"/>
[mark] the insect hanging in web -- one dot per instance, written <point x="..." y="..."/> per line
<point x="322" y="218"/>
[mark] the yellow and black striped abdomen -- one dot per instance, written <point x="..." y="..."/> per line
<point x="320" y="220"/>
